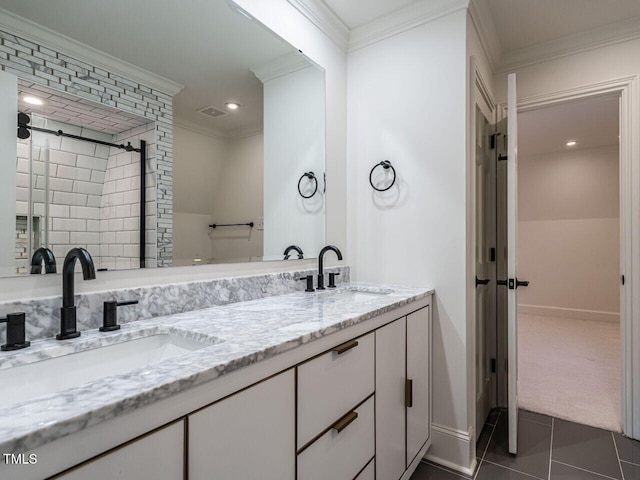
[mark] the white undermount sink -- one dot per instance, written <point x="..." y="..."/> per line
<point x="359" y="295"/>
<point x="72" y="369"/>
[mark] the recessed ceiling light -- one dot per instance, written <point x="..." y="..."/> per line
<point x="232" y="105"/>
<point x="571" y="143"/>
<point x="33" y="100"/>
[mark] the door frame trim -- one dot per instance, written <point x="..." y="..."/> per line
<point x="628" y="89"/>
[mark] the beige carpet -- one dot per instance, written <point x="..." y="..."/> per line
<point x="570" y="369"/>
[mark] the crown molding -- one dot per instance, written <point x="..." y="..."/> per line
<point x="46" y="37"/>
<point x="324" y="18"/>
<point x="482" y="22"/>
<point x="281" y="66"/>
<point x="599" y="37"/>
<point x="411" y="16"/>
<point x="210" y="132"/>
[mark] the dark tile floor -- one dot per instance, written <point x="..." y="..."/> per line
<point x="548" y="449"/>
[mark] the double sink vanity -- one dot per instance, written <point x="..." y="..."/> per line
<point x="325" y="384"/>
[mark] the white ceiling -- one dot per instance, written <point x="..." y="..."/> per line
<point x="524" y="23"/>
<point x="591" y="123"/>
<point x="205" y="45"/>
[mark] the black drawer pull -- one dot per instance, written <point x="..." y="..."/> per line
<point x="345" y="347"/>
<point x="408" y="393"/>
<point x="345" y="421"/>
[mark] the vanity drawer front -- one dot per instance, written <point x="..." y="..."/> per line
<point x="369" y="473"/>
<point x="341" y="455"/>
<point x="331" y="384"/>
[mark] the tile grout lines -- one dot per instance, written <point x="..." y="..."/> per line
<point x="613" y="437"/>
<point x="584" y="470"/>
<point x="512" y="469"/>
<point x="475" y="476"/>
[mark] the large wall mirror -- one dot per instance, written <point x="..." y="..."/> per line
<point x="228" y="162"/>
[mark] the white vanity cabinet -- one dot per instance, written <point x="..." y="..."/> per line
<point x="402" y="392"/>
<point x="250" y="434"/>
<point x="335" y="415"/>
<point x="158" y="455"/>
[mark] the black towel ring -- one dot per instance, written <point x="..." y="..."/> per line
<point x="386" y="164"/>
<point x="310" y="176"/>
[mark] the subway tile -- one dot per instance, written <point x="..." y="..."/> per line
<point x="69" y="224"/>
<point x="85" y="237"/>
<point x="62" y="157"/>
<point x="59" y="237"/>
<point x="87" y="187"/>
<point x="585" y="447"/>
<point x="78" y="146"/>
<point x="107" y="238"/>
<point x="61" y="211"/>
<point x="123" y="211"/>
<point x="102" y="151"/>
<point x="93" y="225"/>
<point x="94" y="200"/>
<point x="22" y="208"/>
<point x="132" y="170"/>
<point x="115" y="224"/>
<point x="131" y="223"/>
<point x="22" y="180"/>
<point x="39" y="209"/>
<point x="97" y="176"/>
<point x="92" y="162"/>
<point x="124" y="184"/>
<point x="85" y="212"/>
<point x="60" y="185"/>
<point x="22" y="194"/>
<point x="115" y="250"/>
<point x="73" y="173"/>
<point x="123" y="237"/>
<point x="65" y="198"/>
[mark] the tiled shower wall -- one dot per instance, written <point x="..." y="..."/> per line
<point x="44" y="66"/>
<point x="120" y="212"/>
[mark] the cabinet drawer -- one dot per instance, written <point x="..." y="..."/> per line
<point x="341" y="455"/>
<point x="331" y="384"/>
<point x="369" y="473"/>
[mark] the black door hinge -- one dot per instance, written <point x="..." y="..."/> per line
<point x="493" y="365"/>
<point x="622" y="279"/>
<point x="494" y="140"/>
<point x="492" y="254"/>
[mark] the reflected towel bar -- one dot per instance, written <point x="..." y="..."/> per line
<point x="250" y="224"/>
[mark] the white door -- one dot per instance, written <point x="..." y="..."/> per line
<point x="512" y="235"/>
<point x="484" y="276"/>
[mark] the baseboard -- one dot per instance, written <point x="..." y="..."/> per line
<point x="453" y="449"/>
<point x="569" y="313"/>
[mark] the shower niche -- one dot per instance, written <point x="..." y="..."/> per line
<point x="76" y="188"/>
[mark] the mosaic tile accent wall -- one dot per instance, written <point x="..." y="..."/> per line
<point x="44" y="66"/>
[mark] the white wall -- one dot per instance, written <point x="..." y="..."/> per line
<point x="294" y="143"/>
<point x="239" y="199"/>
<point x="569" y="231"/>
<point x="8" y="151"/>
<point x="216" y="181"/>
<point x="407" y="104"/>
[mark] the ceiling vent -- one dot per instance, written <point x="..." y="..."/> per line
<point x="212" y="112"/>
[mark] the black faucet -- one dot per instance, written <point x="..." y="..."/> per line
<point x="68" y="310"/>
<point x="40" y="255"/>
<point x="320" y="260"/>
<point x="287" y="252"/>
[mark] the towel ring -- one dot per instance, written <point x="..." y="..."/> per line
<point x="386" y="164"/>
<point x="310" y="176"/>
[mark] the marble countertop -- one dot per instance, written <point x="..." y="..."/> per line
<point x="237" y="335"/>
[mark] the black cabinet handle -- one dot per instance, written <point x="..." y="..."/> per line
<point x="483" y="281"/>
<point x="408" y="393"/>
<point x="345" y="421"/>
<point x="345" y="347"/>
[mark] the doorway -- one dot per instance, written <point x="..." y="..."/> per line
<point x="569" y="352"/>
